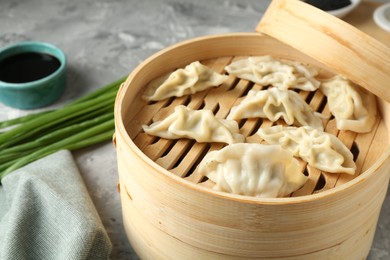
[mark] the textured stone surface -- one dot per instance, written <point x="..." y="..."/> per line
<point x="105" y="40"/>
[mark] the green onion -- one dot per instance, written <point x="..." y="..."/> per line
<point x="84" y="122"/>
<point x="19" y="120"/>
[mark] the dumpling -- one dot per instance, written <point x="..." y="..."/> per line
<point x="266" y="70"/>
<point x="195" y="77"/>
<point x="353" y="107"/>
<point x="319" y="149"/>
<point x="200" y="125"/>
<point x="274" y="104"/>
<point x="252" y="169"/>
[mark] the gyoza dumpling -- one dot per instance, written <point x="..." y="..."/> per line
<point x="319" y="149"/>
<point x="274" y="104"/>
<point x="193" y="78"/>
<point x="353" y="107"/>
<point x="253" y="169"/>
<point x="266" y="70"/>
<point x="200" y="125"/>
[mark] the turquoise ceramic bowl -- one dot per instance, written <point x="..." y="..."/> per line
<point x="37" y="93"/>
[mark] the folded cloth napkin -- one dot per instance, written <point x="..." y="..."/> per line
<point x="49" y="213"/>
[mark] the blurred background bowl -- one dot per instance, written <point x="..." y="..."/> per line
<point x="382" y="16"/>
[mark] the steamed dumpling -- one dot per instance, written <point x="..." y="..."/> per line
<point x="353" y="107"/>
<point x="252" y="169"/>
<point x="200" y="125"/>
<point x="266" y="70"/>
<point x="274" y="104"/>
<point x="195" y="77"/>
<point x="319" y="149"/>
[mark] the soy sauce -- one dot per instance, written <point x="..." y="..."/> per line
<point x="329" y="5"/>
<point x="28" y="66"/>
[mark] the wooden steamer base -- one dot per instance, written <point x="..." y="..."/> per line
<point x="168" y="211"/>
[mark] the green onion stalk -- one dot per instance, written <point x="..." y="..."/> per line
<point x="84" y="122"/>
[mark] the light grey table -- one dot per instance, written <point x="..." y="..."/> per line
<point x="104" y="40"/>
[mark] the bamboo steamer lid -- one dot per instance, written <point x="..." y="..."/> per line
<point x="331" y="41"/>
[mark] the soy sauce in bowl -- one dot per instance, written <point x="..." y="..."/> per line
<point x="338" y="8"/>
<point x="329" y="5"/>
<point x="32" y="74"/>
<point x="27" y="66"/>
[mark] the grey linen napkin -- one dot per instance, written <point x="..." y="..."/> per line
<point x="49" y="213"/>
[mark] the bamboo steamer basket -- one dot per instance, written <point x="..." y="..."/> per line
<point x="169" y="212"/>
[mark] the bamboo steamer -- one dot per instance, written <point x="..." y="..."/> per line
<point x="170" y="213"/>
